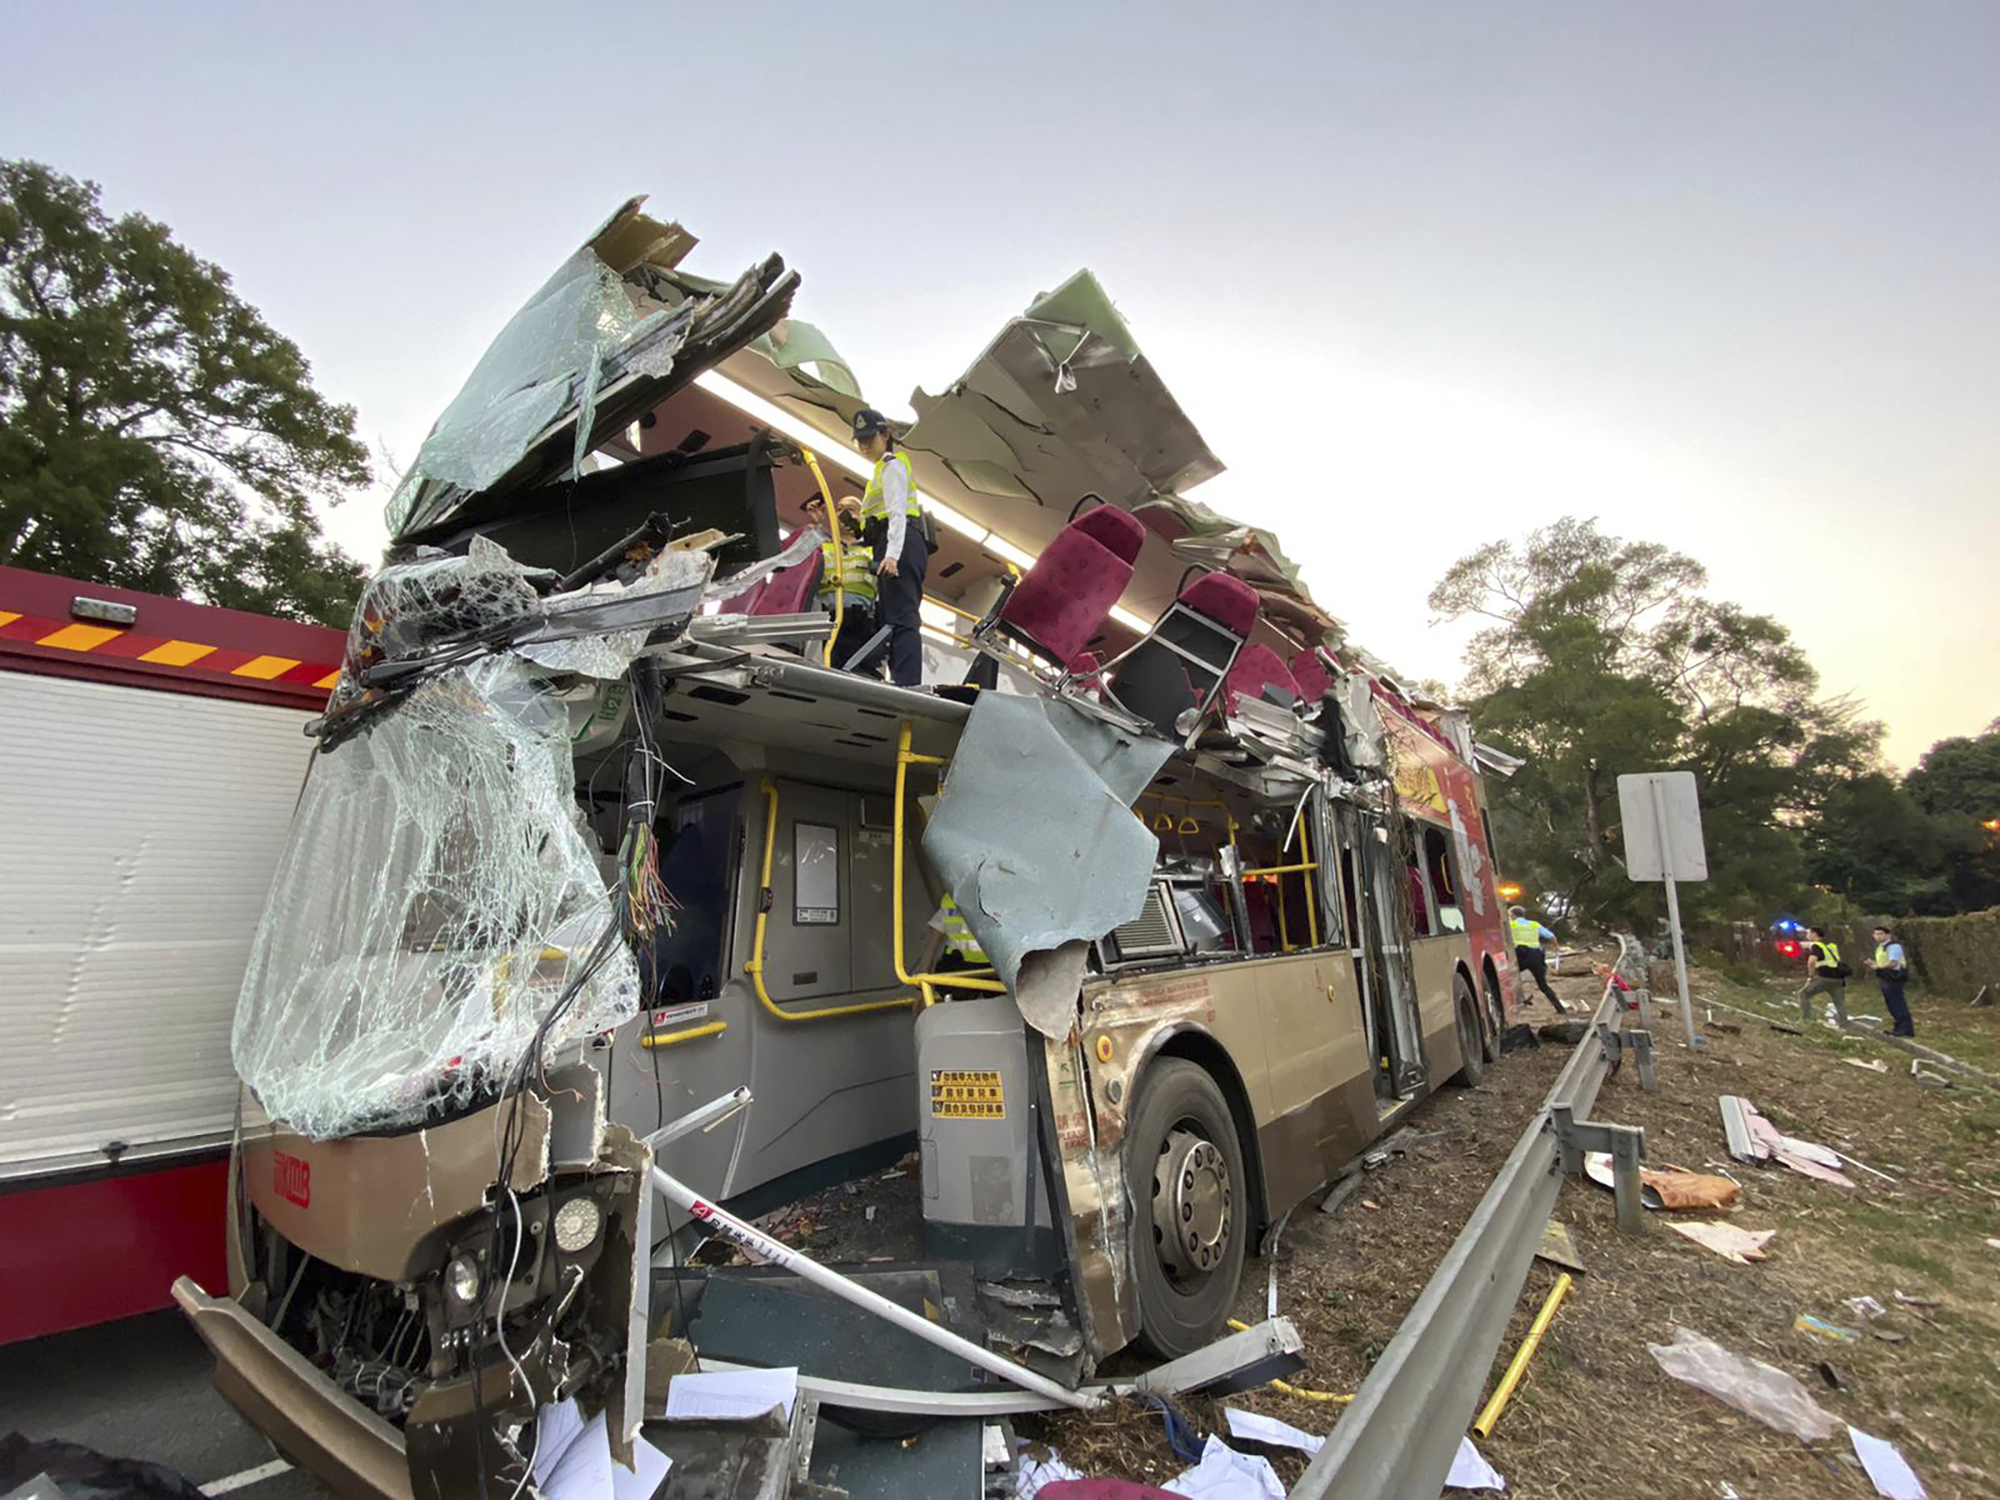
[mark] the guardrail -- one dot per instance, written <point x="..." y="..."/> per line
<point x="1398" y="1435"/>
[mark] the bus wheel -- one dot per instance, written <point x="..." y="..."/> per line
<point x="1471" y="1047"/>
<point x="1496" y="1016"/>
<point x="1190" y="1225"/>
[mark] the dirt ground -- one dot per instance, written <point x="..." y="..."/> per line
<point x="1596" y="1416"/>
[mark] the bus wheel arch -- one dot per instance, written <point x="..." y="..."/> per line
<point x="1190" y="1166"/>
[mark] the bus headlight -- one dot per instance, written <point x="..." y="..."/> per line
<point x="461" y="1279"/>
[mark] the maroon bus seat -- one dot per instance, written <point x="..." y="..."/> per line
<point x="1182" y="662"/>
<point x="1061" y="604"/>
<point x="1258" y="670"/>
<point x="789" y="591"/>
<point x="1312" y="676"/>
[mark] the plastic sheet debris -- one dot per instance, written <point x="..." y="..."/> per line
<point x="1808" y="1158"/>
<point x="1039" y="1468"/>
<point x="1866" y="1307"/>
<point x="1886" y="1468"/>
<point x="1749" y="1385"/>
<point x="1255" y="1427"/>
<point x="1872" y="1065"/>
<point x="1740" y="1245"/>
<point x="1225" y="1474"/>
<point x="1819" y="1328"/>
<point x="1471" y="1471"/>
<point x="733" y="1393"/>
<point x="1674" y="1189"/>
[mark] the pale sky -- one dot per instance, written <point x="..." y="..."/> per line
<point x="1724" y="275"/>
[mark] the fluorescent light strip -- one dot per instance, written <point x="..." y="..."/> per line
<point x="829" y="446"/>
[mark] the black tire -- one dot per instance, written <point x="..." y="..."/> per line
<point x="1496" y="1016"/>
<point x="1185" y="1290"/>
<point x="1471" y="1049"/>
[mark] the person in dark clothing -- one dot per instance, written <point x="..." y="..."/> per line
<point x="1528" y="937"/>
<point x="1826" y="974"/>
<point x="892" y="526"/>
<point x="1891" y="970"/>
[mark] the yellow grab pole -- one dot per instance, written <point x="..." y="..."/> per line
<point x="832" y="525"/>
<point x="905" y="758"/>
<point x="1502" y="1392"/>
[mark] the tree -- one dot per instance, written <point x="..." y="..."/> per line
<point x="1603" y="656"/>
<point x="155" y="431"/>
<point x="1958" y="783"/>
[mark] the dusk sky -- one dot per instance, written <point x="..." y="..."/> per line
<point x="1726" y="276"/>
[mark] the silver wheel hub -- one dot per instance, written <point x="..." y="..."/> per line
<point x="1191" y="1205"/>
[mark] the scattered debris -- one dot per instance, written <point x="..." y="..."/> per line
<point x="1749" y="1385"/>
<point x="1890" y="1335"/>
<point x="1371" y="1205"/>
<point x="1470" y="1470"/>
<point x="1866" y="1307"/>
<point x="1984" y="997"/>
<point x="1519" y="1037"/>
<point x="1253" y="1427"/>
<point x="1518" y="1366"/>
<point x="1225" y="1474"/>
<point x="1831" y="1376"/>
<point x="1342" y="1191"/>
<point x="1820" y="1328"/>
<point x="1740" y="1245"/>
<point x="1564" y="1033"/>
<point x="1886" y="1468"/>
<point x="1872" y="1065"/>
<point x="1754" y="1138"/>
<point x="1908" y="1301"/>
<point x="1558" y="1249"/>
<point x="1678" y="1188"/>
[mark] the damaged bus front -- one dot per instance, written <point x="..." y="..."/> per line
<point x="1148" y="912"/>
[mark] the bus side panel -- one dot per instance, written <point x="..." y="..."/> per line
<point x="1436" y="961"/>
<point x="1322" y="1110"/>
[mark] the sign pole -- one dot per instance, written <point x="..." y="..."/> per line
<point x="1674" y="914"/>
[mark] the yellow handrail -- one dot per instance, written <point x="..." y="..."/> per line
<point x="1304" y="868"/>
<point x="755" y="966"/>
<point x="832" y="525"/>
<point x="905" y="758"/>
<point x="673" y="1038"/>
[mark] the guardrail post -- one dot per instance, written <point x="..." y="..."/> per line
<point x="1639" y="1043"/>
<point x="1626" y="1145"/>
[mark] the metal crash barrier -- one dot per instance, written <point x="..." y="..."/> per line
<point x="1399" y="1434"/>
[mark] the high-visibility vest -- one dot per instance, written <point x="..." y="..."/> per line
<point x="856" y="578"/>
<point x="1882" y="959"/>
<point x="873" y="506"/>
<point x="1527" y="932"/>
<point x="959" y="934"/>
<point x="1828" y="954"/>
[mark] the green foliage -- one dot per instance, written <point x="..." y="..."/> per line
<point x="1604" y="657"/>
<point x="155" y="432"/>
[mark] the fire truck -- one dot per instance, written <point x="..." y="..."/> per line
<point x="152" y="751"/>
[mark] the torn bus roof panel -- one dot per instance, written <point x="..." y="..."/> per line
<point x="600" y="342"/>
<point x="1035" y="838"/>
<point x="1063" y="404"/>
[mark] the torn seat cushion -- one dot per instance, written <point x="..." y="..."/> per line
<point x="1182" y="662"/>
<point x="789" y="591"/>
<point x="1228" y="601"/>
<point x="1311" y="675"/>
<point x="1062" y="602"/>
<point x="1258" y="674"/>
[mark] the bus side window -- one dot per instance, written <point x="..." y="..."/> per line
<point x="1442" y="880"/>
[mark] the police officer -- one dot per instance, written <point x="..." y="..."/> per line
<point x="1891" y="970"/>
<point x="891" y="526"/>
<point x="1528" y="957"/>
<point x="851" y="582"/>
<point x="1825" y="975"/>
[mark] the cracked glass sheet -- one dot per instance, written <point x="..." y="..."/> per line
<point x="795" y="344"/>
<point x="551" y="351"/>
<point x="1034" y="837"/>
<point x="1062" y="404"/>
<point x="439" y="891"/>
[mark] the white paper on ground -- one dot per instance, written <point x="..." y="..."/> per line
<point x="1225" y="1474"/>
<point x="1254" y="1428"/>
<point x="1471" y="1472"/>
<point x="733" y="1393"/>
<point x="1740" y="1245"/>
<point x="556" y="1428"/>
<point x="1892" y="1476"/>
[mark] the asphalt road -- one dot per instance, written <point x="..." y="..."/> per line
<point x="140" y="1388"/>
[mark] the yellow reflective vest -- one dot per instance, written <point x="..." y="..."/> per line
<point x="873" y="506"/>
<point x="856" y="577"/>
<point x="1527" y="932"/>
<point x="1828" y="954"/>
<point x="958" y="934"/>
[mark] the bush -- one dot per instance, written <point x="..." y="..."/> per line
<point x="1955" y="955"/>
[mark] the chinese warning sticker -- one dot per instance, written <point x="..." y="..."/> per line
<point x="965" y="1094"/>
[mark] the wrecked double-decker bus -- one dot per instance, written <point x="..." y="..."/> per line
<point x="599" y="831"/>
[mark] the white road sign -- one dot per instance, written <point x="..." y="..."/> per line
<point x="1662" y="819"/>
